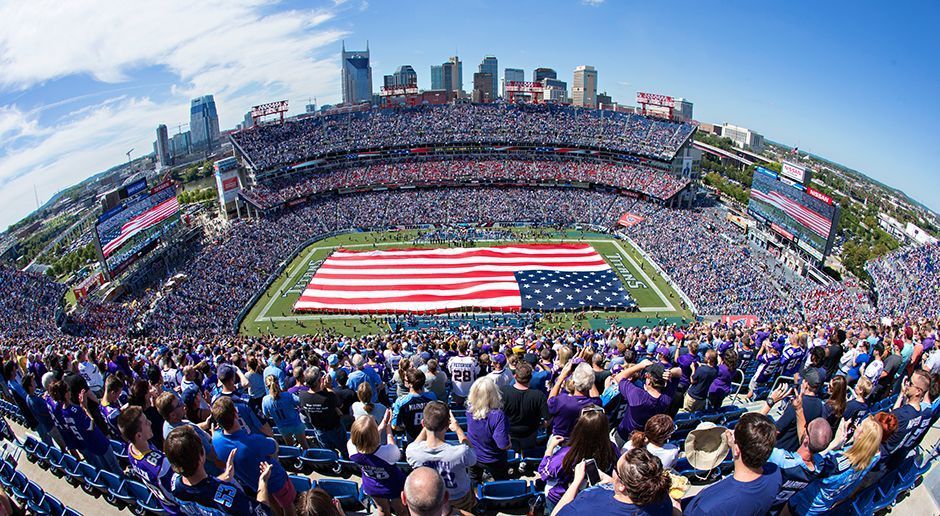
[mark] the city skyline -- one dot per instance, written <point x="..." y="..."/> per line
<point x="865" y="102"/>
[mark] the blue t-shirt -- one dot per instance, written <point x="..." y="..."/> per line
<point x="730" y="497"/>
<point x="213" y="497"/>
<point x="837" y="480"/>
<point x="285" y="411"/>
<point x="600" y="500"/>
<point x="252" y="449"/>
<point x="794" y="471"/>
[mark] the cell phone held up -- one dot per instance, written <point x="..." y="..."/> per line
<point x="590" y="472"/>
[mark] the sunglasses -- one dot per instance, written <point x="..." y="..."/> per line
<point x="590" y="409"/>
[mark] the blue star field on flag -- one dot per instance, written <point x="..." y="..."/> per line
<point x="547" y="289"/>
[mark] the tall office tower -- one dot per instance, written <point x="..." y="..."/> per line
<point x="543" y="73"/>
<point x="163" y="146"/>
<point x="584" y="87"/>
<point x="405" y="76"/>
<point x="203" y="122"/>
<point x="357" y="76"/>
<point x="491" y="66"/>
<point x="455" y="74"/>
<point x="437" y="77"/>
<point x="512" y="75"/>
<point x="482" y="87"/>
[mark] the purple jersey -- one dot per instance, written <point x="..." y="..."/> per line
<point x="153" y="469"/>
<point x="380" y="478"/>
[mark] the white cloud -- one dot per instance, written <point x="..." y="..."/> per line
<point x="238" y="50"/>
<point x="592" y="3"/>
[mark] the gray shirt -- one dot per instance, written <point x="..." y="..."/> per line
<point x="451" y="461"/>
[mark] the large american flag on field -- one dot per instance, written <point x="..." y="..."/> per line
<point x="145" y="220"/>
<point x="507" y="278"/>
<point x="809" y="218"/>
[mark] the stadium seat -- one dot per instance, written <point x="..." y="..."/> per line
<point x="404" y="467"/>
<point x="325" y="462"/>
<point x="349" y="468"/>
<point x="48" y="506"/>
<point x="120" y="450"/>
<point x="346" y="491"/>
<point x="53" y="458"/>
<point x="34" y="495"/>
<point x="114" y="491"/>
<point x="40" y="453"/>
<point x="143" y="500"/>
<point x="505" y="494"/>
<point x="289" y="457"/>
<point x="29" y="446"/>
<point x="19" y="485"/>
<point x="301" y="483"/>
<point x="6" y="473"/>
<point x="89" y="479"/>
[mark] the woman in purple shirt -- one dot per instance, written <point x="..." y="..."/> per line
<point x="589" y="440"/>
<point x="381" y="478"/>
<point x="721" y="386"/>
<point x="487" y="430"/>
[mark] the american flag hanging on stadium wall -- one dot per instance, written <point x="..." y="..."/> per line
<point x="500" y="278"/>
<point x="145" y="220"/>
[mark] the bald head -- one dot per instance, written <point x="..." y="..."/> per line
<point x="424" y="493"/>
<point x="819" y="435"/>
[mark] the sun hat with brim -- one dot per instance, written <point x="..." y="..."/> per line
<point x="706" y="446"/>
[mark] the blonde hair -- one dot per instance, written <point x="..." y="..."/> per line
<point x="274" y="388"/>
<point x="484" y="397"/>
<point x="364" y="393"/>
<point x="364" y="434"/>
<point x="867" y="441"/>
<point x="864" y="386"/>
<point x="564" y="355"/>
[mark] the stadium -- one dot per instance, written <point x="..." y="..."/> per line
<point x="523" y="286"/>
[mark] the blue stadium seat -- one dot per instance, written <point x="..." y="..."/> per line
<point x="7" y="471"/>
<point x="505" y="494"/>
<point x="349" y="468"/>
<point x="289" y="456"/>
<point x="89" y="479"/>
<point x="120" y="450"/>
<point x="346" y="491"/>
<point x="48" y="506"/>
<point x="40" y="454"/>
<point x="34" y="495"/>
<point x="18" y="487"/>
<point x="301" y="483"/>
<point x="69" y="468"/>
<point x="114" y="492"/>
<point x="53" y="458"/>
<point x="29" y="446"/>
<point x="71" y="512"/>
<point x="143" y="500"/>
<point x="325" y="462"/>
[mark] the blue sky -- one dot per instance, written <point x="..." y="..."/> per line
<point x="83" y="82"/>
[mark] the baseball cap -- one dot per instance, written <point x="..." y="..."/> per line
<point x="813" y="378"/>
<point x="332" y="360"/>
<point x="656" y="370"/>
<point x="189" y="395"/>
<point x="499" y="358"/>
<point x="662" y="350"/>
<point x="531" y="358"/>
<point x="226" y="373"/>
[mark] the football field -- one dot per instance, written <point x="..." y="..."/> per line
<point x="273" y="313"/>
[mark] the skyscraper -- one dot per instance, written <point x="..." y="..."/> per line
<point x="388" y="81"/>
<point x="555" y="90"/>
<point x="491" y="66"/>
<point x="357" y="76"/>
<point x="512" y="75"/>
<point x="455" y="74"/>
<point x="405" y="76"/>
<point x="163" y="146"/>
<point x="204" y="122"/>
<point x="437" y="77"/>
<point x="584" y="87"/>
<point x="543" y="73"/>
<point x="482" y="84"/>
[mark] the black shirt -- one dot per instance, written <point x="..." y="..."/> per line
<point x="701" y="380"/>
<point x="318" y="409"/>
<point x="346" y="398"/>
<point x="891" y="363"/>
<point x="787" y="438"/>
<point x="600" y="377"/>
<point x="525" y="410"/>
<point x="833" y="357"/>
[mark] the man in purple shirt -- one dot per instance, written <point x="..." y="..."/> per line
<point x="564" y="408"/>
<point x="644" y="402"/>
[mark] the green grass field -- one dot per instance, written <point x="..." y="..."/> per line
<point x="273" y="313"/>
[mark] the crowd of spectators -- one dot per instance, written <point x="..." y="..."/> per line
<point x="28" y="304"/>
<point x="201" y="414"/>
<point x="640" y="179"/>
<point x="907" y="281"/>
<point x="274" y="146"/>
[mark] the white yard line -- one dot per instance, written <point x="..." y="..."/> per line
<point x="291" y="278"/>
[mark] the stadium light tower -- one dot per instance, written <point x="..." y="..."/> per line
<point x="128" y="153"/>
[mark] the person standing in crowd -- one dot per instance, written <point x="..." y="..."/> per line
<point x="721" y="385"/>
<point x="111" y="405"/>
<point x="798" y="469"/>
<point x="840" y="472"/>
<point x="500" y="373"/>
<point x="837" y="402"/>
<point x="147" y="462"/>
<point x="45" y="424"/>
<point x="753" y="487"/>
<point x="320" y="410"/>
<point x="655" y="438"/>
<point x="249" y="420"/>
<point x="436" y="381"/>
<point x="464" y="370"/>
<point x="488" y="430"/>
<point x="284" y="409"/>
<point x="589" y="440"/>
<point x="408" y="410"/>
<point x="813" y="407"/>
<point x="74" y="420"/>
<point x="644" y="402"/>
<point x="250" y="451"/>
<point x="451" y="461"/>
<point x="639" y="485"/>
<point x="256" y="387"/>
<point x="275" y="368"/>
<point x="909" y="416"/>
<point x="363" y="373"/>
<point x="425" y="493"/>
<point x="365" y="407"/>
<point x="381" y="478"/>
<point x="565" y="408"/>
<point x="172" y="410"/>
<point x="700" y="381"/>
<point x="197" y="492"/>
<point x="525" y="409"/>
